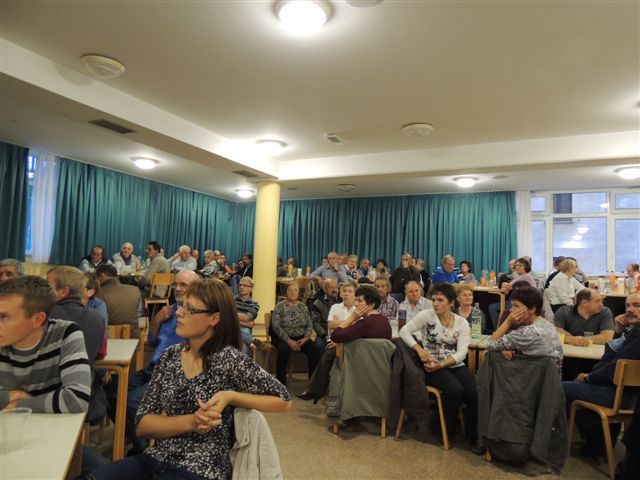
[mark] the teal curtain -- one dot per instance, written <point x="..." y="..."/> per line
<point x="14" y="186"/>
<point x="479" y="227"/>
<point x="100" y="206"/>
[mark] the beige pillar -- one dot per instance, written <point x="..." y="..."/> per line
<point x="265" y="250"/>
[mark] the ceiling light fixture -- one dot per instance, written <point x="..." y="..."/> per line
<point x="629" y="173"/>
<point x="576" y="237"/>
<point x="302" y="18"/>
<point x="244" y="192"/>
<point x="346" y="187"/>
<point x="465" y="182"/>
<point x="101" y="67"/>
<point x="604" y="205"/>
<point x="364" y="3"/>
<point x="145" y="163"/>
<point x="271" y="147"/>
<point x="582" y="229"/>
<point x="417" y="130"/>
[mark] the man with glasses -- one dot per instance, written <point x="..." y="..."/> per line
<point x="332" y="269"/>
<point x="162" y="334"/>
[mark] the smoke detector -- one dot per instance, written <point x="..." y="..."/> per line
<point x="333" y="138"/>
<point x="417" y="130"/>
<point x="102" y="67"/>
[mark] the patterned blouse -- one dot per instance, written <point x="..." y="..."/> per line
<point x="291" y="321"/>
<point x="539" y="339"/>
<point x="171" y="393"/>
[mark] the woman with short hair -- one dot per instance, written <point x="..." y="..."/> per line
<point x="563" y="288"/>
<point x="465" y="270"/>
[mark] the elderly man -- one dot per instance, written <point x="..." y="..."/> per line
<point x="413" y="303"/>
<point x="10" y="268"/>
<point x="124" y="303"/>
<point x="93" y="260"/>
<point x="366" y="270"/>
<point x="406" y="272"/>
<point x="37" y="350"/>
<point x="388" y="304"/>
<point x="247" y="312"/>
<point x="211" y="267"/>
<point x="446" y="272"/>
<point x="183" y="260"/>
<point x="195" y="254"/>
<point x="332" y="269"/>
<point x="162" y="334"/>
<point x="157" y="264"/>
<point x="125" y="261"/>
<point x="320" y="311"/>
<point x="598" y="387"/>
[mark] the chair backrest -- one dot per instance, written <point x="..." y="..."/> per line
<point x="627" y="374"/>
<point x="120" y="332"/>
<point x="161" y="280"/>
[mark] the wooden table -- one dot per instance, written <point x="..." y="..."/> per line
<point x="118" y="360"/>
<point x="52" y="448"/>
<point x="594" y="352"/>
<point x="475" y="345"/>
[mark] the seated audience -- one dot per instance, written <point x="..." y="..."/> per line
<point x="247" y="311"/>
<point x="405" y="273"/>
<point x="244" y="269"/>
<point x="524" y="331"/>
<point x="291" y="325"/>
<point x="563" y="287"/>
<point x="157" y="264"/>
<point x="465" y="304"/>
<point x="388" y="304"/>
<point x="94" y="259"/>
<point x="446" y="272"/>
<point x="366" y="270"/>
<point x="425" y="279"/>
<point x="162" y="334"/>
<point x="281" y="268"/>
<point x="90" y="298"/>
<point x="185" y="406"/>
<point x="365" y="321"/>
<point x="195" y="254"/>
<point x="588" y="315"/>
<point x="381" y="269"/>
<point x="10" y="268"/>
<point x="222" y="262"/>
<point x="124" y="303"/>
<point x="413" y="303"/>
<point x="465" y="273"/>
<point x="43" y="361"/>
<point x="320" y="311"/>
<point x="211" y="266"/>
<point x="521" y="274"/>
<point x="351" y="267"/>
<point x="332" y="269"/>
<point x="557" y="261"/>
<point x="633" y="272"/>
<point x="183" y="260"/>
<point x="445" y="345"/>
<point x="598" y="387"/>
<point x="125" y="261"/>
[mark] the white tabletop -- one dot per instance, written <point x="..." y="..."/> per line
<point x="50" y="442"/>
<point x="594" y="352"/>
<point x="119" y="351"/>
<point x="479" y="342"/>
<point x="486" y="289"/>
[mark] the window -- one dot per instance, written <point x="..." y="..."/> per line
<point x="31" y="169"/>
<point x="627" y="201"/>
<point x="538" y="204"/>
<point x="539" y="242"/>
<point x="583" y="238"/>
<point x="627" y="242"/>
<point x="580" y="202"/>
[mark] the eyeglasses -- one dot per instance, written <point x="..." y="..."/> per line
<point x="193" y="311"/>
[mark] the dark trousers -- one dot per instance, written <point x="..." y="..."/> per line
<point x="571" y="367"/>
<point x="309" y="349"/>
<point x="319" y="381"/>
<point x="138" y="382"/>
<point x="457" y="385"/>
<point x="140" y="467"/>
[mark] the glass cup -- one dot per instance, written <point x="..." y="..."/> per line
<point x="13" y="426"/>
<point x="588" y="336"/>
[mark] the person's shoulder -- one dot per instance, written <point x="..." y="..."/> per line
<point x="392" y="300"/>
<point x="605" y="313"/>
<point x="565" y="311"/>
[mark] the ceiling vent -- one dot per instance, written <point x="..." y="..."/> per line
<point x="246" y="173"/>
<point x="114" y="127"/>
<point x="333" y="138"/>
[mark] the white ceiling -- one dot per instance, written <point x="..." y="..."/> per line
<point x="201" y="75"/>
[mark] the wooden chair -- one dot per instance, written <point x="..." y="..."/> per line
<point x="443" y="424"/>
<point x="143" y="330"/>
<point x="121" y="332"/>
<point x="159" y="280"/>
<point x="627" y="374"/>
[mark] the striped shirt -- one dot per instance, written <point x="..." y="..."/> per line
<point x="55" y="372"/>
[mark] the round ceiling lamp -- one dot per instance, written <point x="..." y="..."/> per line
<point x="417" y="130"/>
<point x="244" y="192"/>
<point x="465" y="182"/>
<point x="577" y="238"/>
<point x="271" y="147"/>
<point x="302" y="18"/>
<point x="582" y="229"/>
<point x="145" y="163"/>
<point x="629" y="173"/>
<point x="101" y="67"/>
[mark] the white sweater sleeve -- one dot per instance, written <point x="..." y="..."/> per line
<point x="462" y="326"/>
<point x="416" y="324"/>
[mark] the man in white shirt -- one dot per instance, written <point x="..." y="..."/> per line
<point x="413" y="303"/>
<point x="125" y="261"/>
<point x="183" y="260"/>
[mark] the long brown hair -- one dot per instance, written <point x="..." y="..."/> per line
<point x="217" y="297"/>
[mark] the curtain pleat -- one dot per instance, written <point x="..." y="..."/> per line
<point x="14" y="200"/>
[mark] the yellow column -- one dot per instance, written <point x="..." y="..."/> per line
<point x="265" y="250"/>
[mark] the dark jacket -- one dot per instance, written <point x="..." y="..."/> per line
<point x="521" y="409"/>
<point x="320" y="313"/>
<point x="401" y="276"/>
<point x="629" y="348"/>
<point x="408" y="388"/>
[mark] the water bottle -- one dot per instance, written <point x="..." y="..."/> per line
<point x="476" y="322"/>
<point x="402" y="316"/>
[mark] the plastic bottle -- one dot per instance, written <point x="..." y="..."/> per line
<point x="289" y="270"/>
<point x="402" y="316"/>
<point x="492" y="279"/>
<point x="613" y="282"/>
<point x="308" y="270"/>
<point x="476" y="322"/>
<point x="483" y="278"/>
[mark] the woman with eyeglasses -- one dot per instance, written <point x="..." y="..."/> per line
<point x="188" y="407"/>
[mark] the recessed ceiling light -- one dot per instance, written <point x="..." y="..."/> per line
<point x="465" y="182"/>
<point x="576" y="237"/>
<point x="582" y="229"/>
<point x="271" y="147"/>
<point x="417" y="130"/>
<point x="302" y="18"/>
<point x="604" y="205"/>
<point x="103" y="67"/>
<point x="629" y="173"/>
<point x="244" y="192"/>
<point x="346" y="187"/>
<point x="145" y="163"/>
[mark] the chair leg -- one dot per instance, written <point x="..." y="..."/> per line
<point x="400" y="422"/>
<point x="383" y="428"/>
<point x="611" y="459"/>
<point x="335" y="427"/>
<point x="572" y="422"/>
<point x="443" y="424"/>
<point x="487" y="455"/>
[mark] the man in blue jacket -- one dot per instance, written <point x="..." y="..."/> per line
<point x="597" y="386"/>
